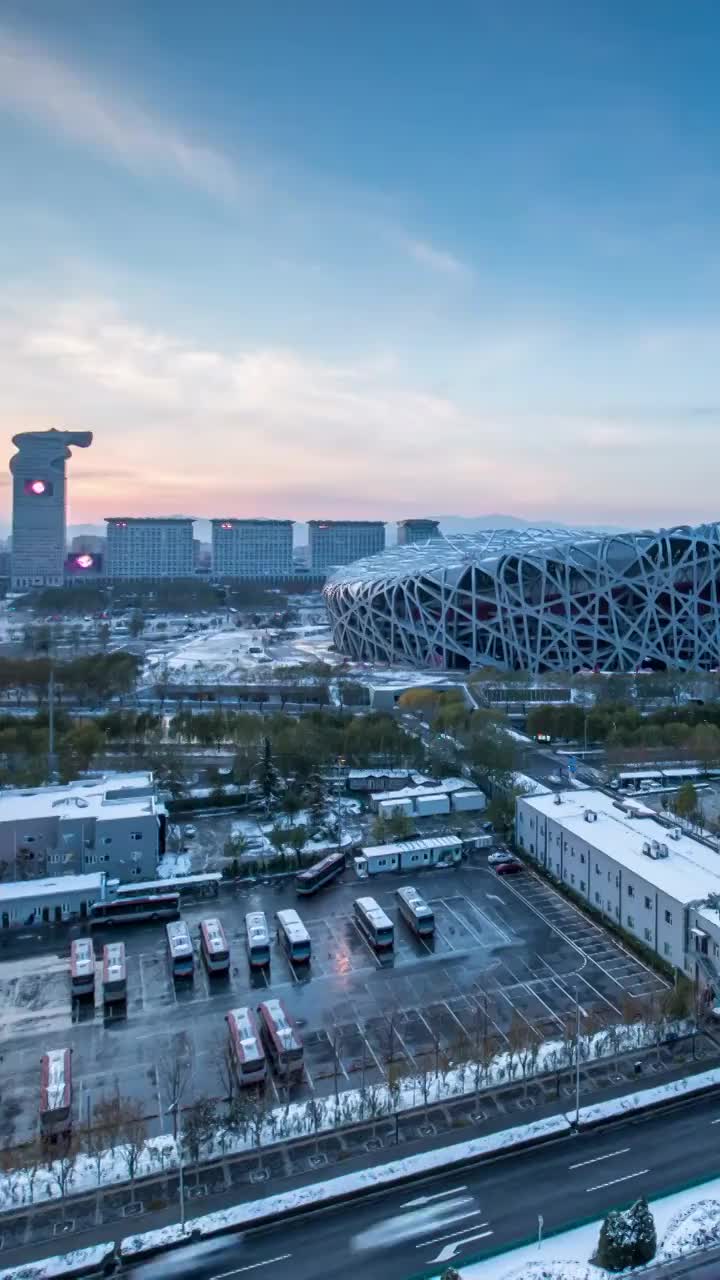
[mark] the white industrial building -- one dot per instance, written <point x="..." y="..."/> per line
<point x="450" y="795"/>
<point x="408" y="855"/>
<point x="252" y="549"/>
<point x="55" y="901"/>
<point x="112" y="824"/>
<point x="150" y="547"/>
<point x="641" y="873"/>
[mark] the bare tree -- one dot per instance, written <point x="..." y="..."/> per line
<point x="33" y="1160"/>
<point x="94" y="1145"/>
<point x="63" y="1166"/>
<point x="174" y="1071"/>
<point x="199" y="1124"/>
<point x="107" y="1118"/>
<point x="12" y="1166"/>
<point x="133" y="1133"/>
<point x="225" y="1067"/>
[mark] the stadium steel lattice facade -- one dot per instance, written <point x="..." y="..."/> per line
<point x="536" y="600"/>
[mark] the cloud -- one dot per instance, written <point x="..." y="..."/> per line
<point x="36" y="85"/>
<point x="438" y="260"/>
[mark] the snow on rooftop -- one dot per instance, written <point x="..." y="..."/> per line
<point x="107" y="796"/>
<point x="91" y="884"/>
<point x="688" y="874"/>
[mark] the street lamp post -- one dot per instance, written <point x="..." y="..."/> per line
<point x="577" y="1055"/>
<point x="175" y="1108"/>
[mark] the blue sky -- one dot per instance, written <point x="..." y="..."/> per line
<point x="366" y="259"/>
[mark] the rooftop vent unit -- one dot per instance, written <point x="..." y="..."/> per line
<point x="664" y="851"/>
<point x="558" y="798"/>
<point x="676" y="833"/>
<point x="655" y="848"/>
<point x="590" y="815"/>
<point x="646" y="848"/>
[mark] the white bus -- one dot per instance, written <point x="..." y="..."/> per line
<point x="114" y="973"/>
<point x="281" y="1038"/>
<point x="56" y="1094"/>
<point x="293" y="935"/>
<point x="257" y="939"/>
<point x="82" y="967"/>
<point x="180" y="950"/>
<point x="415" y="911"/>
<point x="214" y="945"/>
<point x="377" y="927"/>
<point x="246" y="1046"/>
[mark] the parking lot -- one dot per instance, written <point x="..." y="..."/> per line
<point x="503" y="955"/>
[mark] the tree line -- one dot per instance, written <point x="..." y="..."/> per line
<point x="693" y="729"/>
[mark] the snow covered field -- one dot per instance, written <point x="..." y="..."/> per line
<point x="232" y="653"/>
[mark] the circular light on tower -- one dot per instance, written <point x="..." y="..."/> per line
<point x="37" y="487"/>
<point x="85" y="561"/>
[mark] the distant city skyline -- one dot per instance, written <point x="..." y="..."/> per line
<point x="353" y="261"/>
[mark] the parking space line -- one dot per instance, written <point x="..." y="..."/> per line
<point x="464" y="923"/>
<point x="455" y="1017"/>
<point x="501" y="991"/>
<point x="373" y="1055"/>
<point x="474" y="907"/>
<point x="410" y="1056"/>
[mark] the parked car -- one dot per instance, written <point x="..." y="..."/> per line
<point x="500" y="855"/>
<point x="190" y="830"/>
<point x="555" y="780"/>
<point x="509" y="868"/>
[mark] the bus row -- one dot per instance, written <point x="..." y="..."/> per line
<point x="268" y="1035"/>
<point x="369" y="916"/>
<point x="114" y="970"/>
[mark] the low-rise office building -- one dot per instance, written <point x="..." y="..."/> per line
<point x="340" y="542"/>
<point x="638" y="871"/>
<point x="112" y="824"/>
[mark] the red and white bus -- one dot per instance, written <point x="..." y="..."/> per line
<point x="214" y="946"/>
<point x="82" y="967"/>
<point x="180" y="949"/>
<point x="155" y="906"/>
<point x="114" y="973"/>
<point x="246" y="1046"/>
<point x="56" y="1094"/>
<point x="281" y="1039"/>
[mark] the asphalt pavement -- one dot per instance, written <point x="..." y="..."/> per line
<point x="488" y="1208"/>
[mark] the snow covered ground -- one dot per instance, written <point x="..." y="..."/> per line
<point x="685" y="1221"/>
<point x="602" y="1111"/>
<point x="321" y="1114"/>
<point x="232" y="653"/>
<point x="76" y="1263"/>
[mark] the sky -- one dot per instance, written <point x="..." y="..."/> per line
<point x="363" y="259"/>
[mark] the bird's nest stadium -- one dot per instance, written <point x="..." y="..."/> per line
<point x="536" y="600"/>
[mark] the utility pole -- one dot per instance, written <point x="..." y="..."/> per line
<point x="52" y="759"/>
<point x="577" y="1055"/>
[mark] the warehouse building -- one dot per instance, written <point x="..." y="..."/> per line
<point x="640" y="872"/>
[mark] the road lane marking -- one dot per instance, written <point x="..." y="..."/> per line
<point x="252" y="1266"/>
<point x="596" y="1159"/>
<point x="412" y="1204"/>
<point x="627" y="1177"/>
<point x="460" y="1231"/>
<point x="449" y="1250"/>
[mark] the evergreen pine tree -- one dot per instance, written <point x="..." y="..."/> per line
<point x="267" y="775"/>
<point x="644" y="1230"/>
<point x="627" y="1237"/>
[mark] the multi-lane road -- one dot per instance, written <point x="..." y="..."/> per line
<point x="422" y="1227"/>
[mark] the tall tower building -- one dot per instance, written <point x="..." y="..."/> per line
<point x="39" y="505"/>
